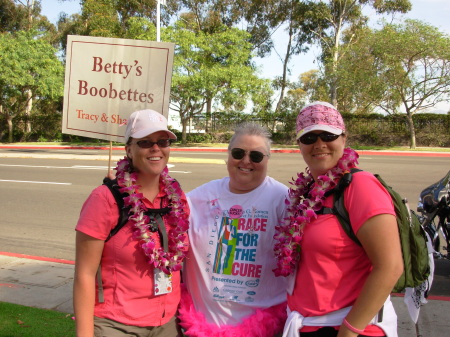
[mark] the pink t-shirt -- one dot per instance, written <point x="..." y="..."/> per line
<point x="128" y="280"/>
<point x="333" y="268"/>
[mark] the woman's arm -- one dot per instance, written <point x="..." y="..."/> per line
<point x="88" y="255"/>
<point x="380" y="239"/>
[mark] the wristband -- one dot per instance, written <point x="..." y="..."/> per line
<point x="352" y="328"/>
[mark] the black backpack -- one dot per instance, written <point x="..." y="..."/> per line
<point x="412" y="236"/>
<point x="154" y="214"/>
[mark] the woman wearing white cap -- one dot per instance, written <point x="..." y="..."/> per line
<point x="339" y="287"/>
<point x="136" y="290"/>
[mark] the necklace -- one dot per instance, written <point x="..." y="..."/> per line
<point x="177" y="218"/>
<point x="305" y="199"/>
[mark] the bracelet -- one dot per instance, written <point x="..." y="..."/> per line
<point x="352" y="328"/>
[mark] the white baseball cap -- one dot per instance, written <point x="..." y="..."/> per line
<point x="145" y="122"/>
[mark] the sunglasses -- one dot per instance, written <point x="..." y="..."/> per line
<point x="255" y="156"/>
<point x="146" y="144"/>
<point x="311" y="138"/>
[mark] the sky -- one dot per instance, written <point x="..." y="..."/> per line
<point x="433" y="12"/>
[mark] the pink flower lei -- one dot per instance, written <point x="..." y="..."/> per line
<point x="177" y="218"/>
<point x="305" y="199"/>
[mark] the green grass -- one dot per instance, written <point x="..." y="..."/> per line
<point x="20" y="321"/>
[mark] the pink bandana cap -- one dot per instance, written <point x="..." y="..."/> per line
<point x="319" y="116"/>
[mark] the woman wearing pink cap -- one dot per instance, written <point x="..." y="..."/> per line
<point x="338" y="287"/>
<point x="128" y="284"/>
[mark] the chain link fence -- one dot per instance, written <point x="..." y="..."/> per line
<point x="363" y="130"/>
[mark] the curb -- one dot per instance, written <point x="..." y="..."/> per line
<point x="207" y="149"/>
<point x="38" y="258"/>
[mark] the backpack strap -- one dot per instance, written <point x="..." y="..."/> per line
<point x="123" y="211"/>
<point x="122" y="220"/>
<point x="339" y="209"/>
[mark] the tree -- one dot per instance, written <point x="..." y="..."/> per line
<point x="417" y="67"/>
<point x="333" y="18"/>
<point x="210" y="68"/>
<point x="18" y="15"/>
<point x="101" y="18"/>
<point x="11" y="16"/>
<point x="313" y="85"/>
<point x="405" y="68"/>
<point x="260" y="18"/>
<point x="24" y="15"/>
<point x="112" y="18"/>
<point x="360" y="84"/>
<point x="263" y="19"/>
<point x="295" y="18"/>
<point x="203" y="18"/>
<point x="294" y="14"/>
<point x="29" y="70"/>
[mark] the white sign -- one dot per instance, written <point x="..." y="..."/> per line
<point x="107" y="79"/>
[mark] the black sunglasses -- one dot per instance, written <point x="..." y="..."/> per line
<point x="311" y="138"/>
<point x="255" y="156"/>
<point x="146" y="144"/>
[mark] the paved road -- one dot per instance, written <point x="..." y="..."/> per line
<point x="41" y="197"/>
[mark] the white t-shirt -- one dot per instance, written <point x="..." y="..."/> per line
<point x="228" y="270"/>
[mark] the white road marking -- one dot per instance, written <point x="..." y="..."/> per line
<point x="34" y="182"/>
<point x="81" y="167"/>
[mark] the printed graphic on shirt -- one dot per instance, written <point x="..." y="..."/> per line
<point x="226" y="246"/>
<point x="235" y="265"/>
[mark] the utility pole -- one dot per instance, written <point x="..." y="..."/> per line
<point x="158" y="18"/>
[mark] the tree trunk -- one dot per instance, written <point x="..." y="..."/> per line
<point x="1" y="113"/>
<point x="30" y="14"/>
<point x="10" y="128"/>
<point x="412" y="131"/>
<point x="28" y="108"/>
<point x="285" y="66"/>
<point x="335" y="61"/>
<point x="333" y="84"/>
<point x="208" y="114"/>
<point x="184" y="122"/>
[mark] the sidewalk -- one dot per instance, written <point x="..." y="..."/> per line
<point x="47" y="283"/>
<point x="36" y="282"/>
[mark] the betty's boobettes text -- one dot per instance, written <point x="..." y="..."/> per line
<point x="116" y="68"/>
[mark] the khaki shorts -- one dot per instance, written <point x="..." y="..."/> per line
<point x="104" y="327"/>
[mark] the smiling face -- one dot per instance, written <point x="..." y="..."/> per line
<point x="150" y="162"/>
<point x="246" y="175"/>
<point x="322" y="156"/>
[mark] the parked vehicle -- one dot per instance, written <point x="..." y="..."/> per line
<point x="434" y="209"/>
